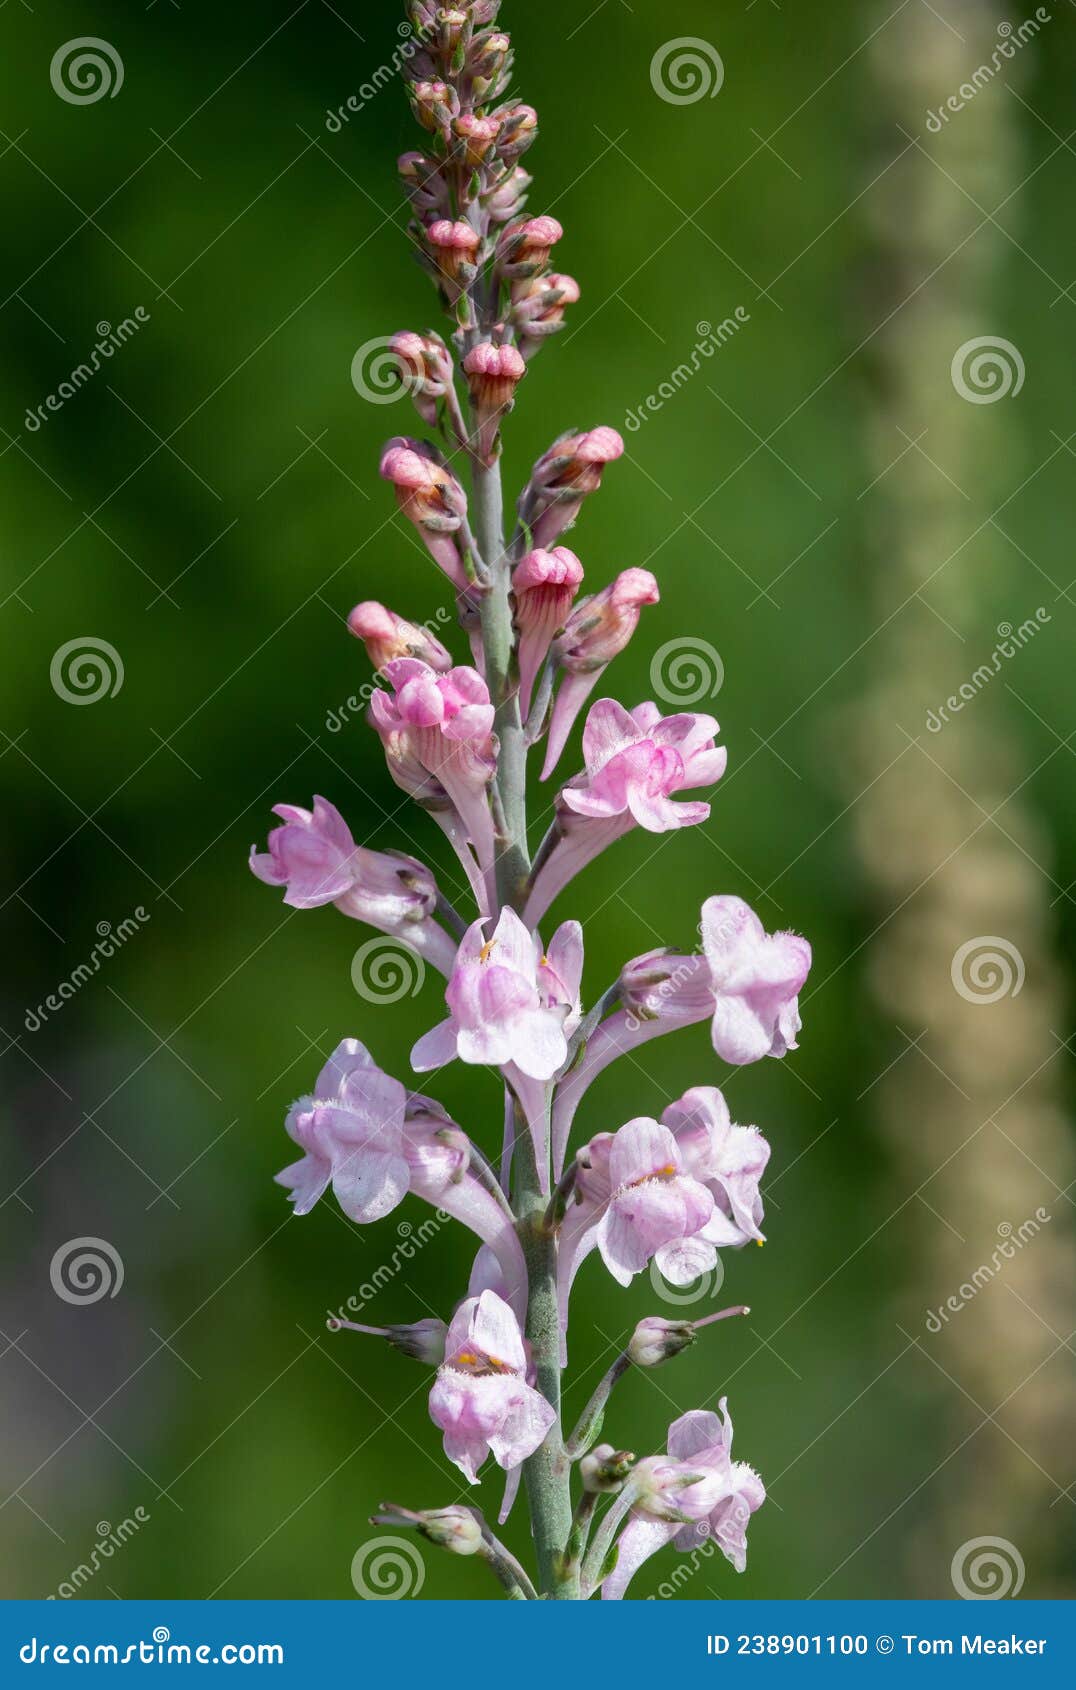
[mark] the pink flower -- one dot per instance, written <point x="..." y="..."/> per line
<point x="544" y="584"/>
<point x="653" y="1202"/>
<point x="726" y="1494"/>
<point x="351" y="1133"/>
<point x="443" y="722"/>
<point x="634" y="762"/>
<point x="596" y="631"/>
<point x="386" y="635"/>
<point x="372" y="1141"/>
<point x="481" y="1399"/>
<point x="315" y="859"/>
<point x="562" y="478"/>
<point x="746" y="983"/>
<point x="730" y="1160"/>
<point x="509" y="1003"/>
<point x="756" y="979"/>
<point x="430" y="497"/>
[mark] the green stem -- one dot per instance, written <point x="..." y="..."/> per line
<point x="547" y="1472"/>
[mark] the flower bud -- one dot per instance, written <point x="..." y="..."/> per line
<point x="524" y="247"/>
<point x="451" y="26"/>
<point x="425" y="366"/>
<point x="493" y="374"/>
<point x="562" y="478"/>
<point x="454" y="248"/>
<point x="476" y="137"/>
<point x="429" y="495"/>
<point x="386" y="635"/>
<point x="424" y="1340"/>
<point x="435" y="104"/>
<point x="655" y="1340"/>
<point x="519" y="127"/>
<point x="544" y="585"/>
<point x="506" y="201"/>
<point x="489" y="63"/>
<point x="538" y="307"/>
<point x="600" y="627"/>
<point x="604" y="1470"/>
<point x="454" y="1529"/>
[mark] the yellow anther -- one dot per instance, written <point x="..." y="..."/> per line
<point x="483" y="955"/>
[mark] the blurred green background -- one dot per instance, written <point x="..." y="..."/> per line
<point x="209" y="505"/>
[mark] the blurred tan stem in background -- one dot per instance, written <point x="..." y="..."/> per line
<point x="949" y="836"/>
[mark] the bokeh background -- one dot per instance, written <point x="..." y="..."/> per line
<point x="822" y="507"/>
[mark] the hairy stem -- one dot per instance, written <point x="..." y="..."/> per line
<point x="547" y="1471"/>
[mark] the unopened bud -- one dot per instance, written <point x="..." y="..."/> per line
<point x="476" y="136"/>
<point x="605" y="1469"/>
<point x="435" y="104"/>
<point x="655" y="1340"/>
<point x="519" y="127"/>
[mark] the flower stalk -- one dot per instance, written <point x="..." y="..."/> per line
<point x="669" y="1192"/>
